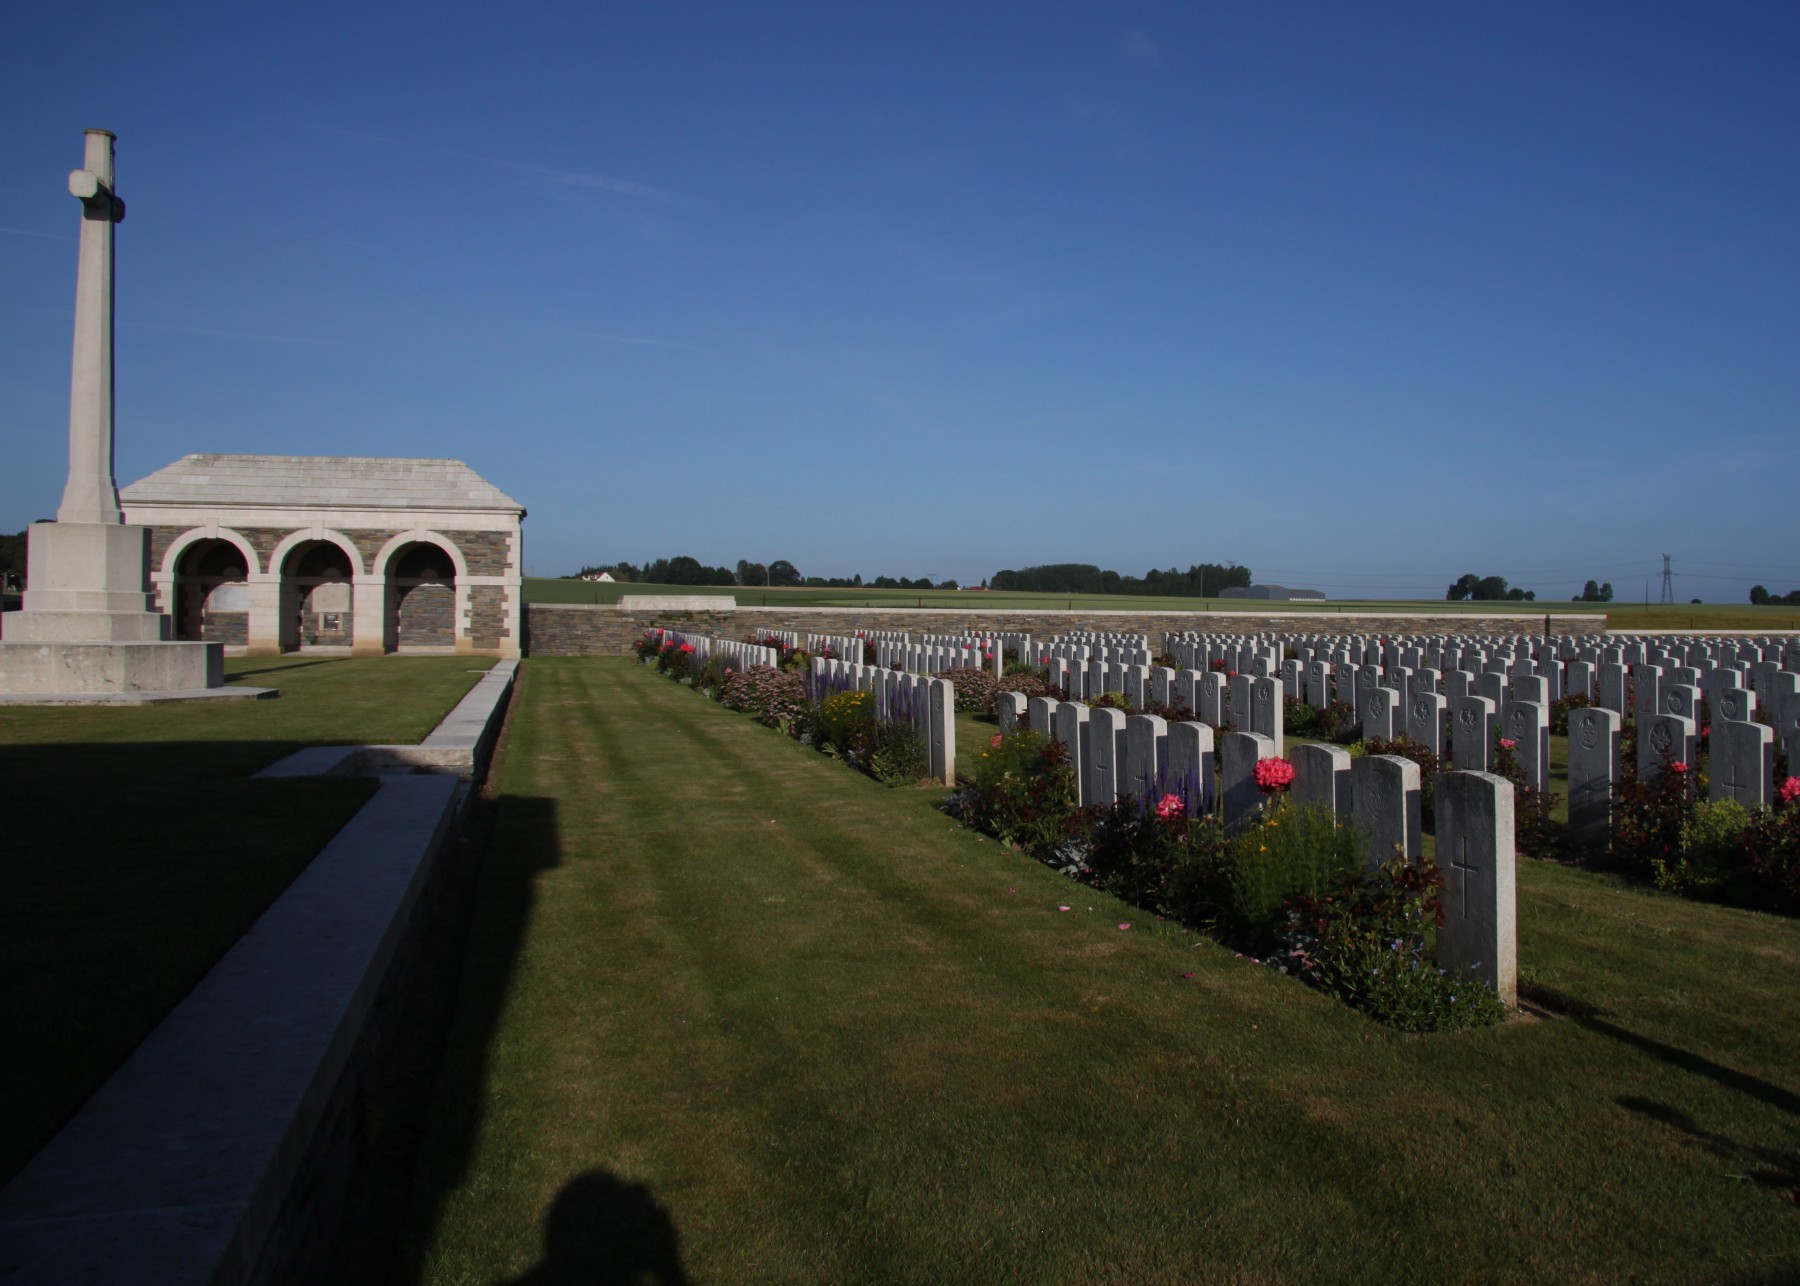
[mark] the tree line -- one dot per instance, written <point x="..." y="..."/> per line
<point x="1760" y="596"/>
<point x="780" y="574"/>
<point x="1203" y="580"/>
<point x="1487" y="589"/>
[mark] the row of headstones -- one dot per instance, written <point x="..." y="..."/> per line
<point x="1728" y="688"/>
<point x="1251" y="702"/>
<point x="928" y="703"/>
<point x="739" y="655"/>
<point x="839" y="645"/>
<point x="1756" y="662"/>
<point x="927" y="657"/>
<point x="1114" y="755"/>
<point x="1080" y="647"/>
<point x="1743" y="751"/>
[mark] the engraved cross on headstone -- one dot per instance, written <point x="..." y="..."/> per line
<point x="1466" y="868"/>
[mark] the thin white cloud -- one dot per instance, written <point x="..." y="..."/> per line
<point x="27" y="232"/>
<point x="571" y="178"/>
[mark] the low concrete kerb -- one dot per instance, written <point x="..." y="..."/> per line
<point x="182" y="1167"/>
<point x="459" y="745"/>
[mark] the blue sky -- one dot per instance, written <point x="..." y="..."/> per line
<point x="1365" y="297"/>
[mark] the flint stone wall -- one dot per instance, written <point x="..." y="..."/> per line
<point x="577" y="629"/>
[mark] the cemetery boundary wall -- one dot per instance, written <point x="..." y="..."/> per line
<point x="581" y="629"/>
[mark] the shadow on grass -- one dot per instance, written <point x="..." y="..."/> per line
<point x="126" y="870"/>
<point x="1730" y="1078"/>
<point x="421" y="1115"/>
<point x="234" y="675"/>
<point x="601" y="1230"/>
<point x="1768" y="1167"/>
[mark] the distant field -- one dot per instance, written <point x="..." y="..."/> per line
<point x="1636" y="616"/>
<point x="538" y="590"/>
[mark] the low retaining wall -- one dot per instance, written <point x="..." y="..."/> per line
<point x="573" y="629"/>
<point x="221" y="1149"/>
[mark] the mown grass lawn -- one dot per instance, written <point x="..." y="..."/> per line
<point x="729" y="1005"/>
<point x="137" y="849"/>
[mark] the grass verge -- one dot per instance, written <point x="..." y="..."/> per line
<point x="138" y="850"/>
<point x="729" y="1006"/>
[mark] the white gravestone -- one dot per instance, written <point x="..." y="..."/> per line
<point x="1661" y="735"/>
<point x="1743" y="762"/>
<point x="940" y="697"/>
<point x="1322" y="778"/>
<point x="1105" y="729"/>
<point x="1388" y="806"/>
<point x="1239" y="753"/>
<point x="1069" y="726"/>
<point x="1680" y="699"/>
<point x="1425" y="716"/>
<point x="1527" y="725"/>
<point x="1009" y="708"/>
<point x="1146" y="749"/>
<point x="1480" y="933"/>
<point x="1471" y="733"/>
<point x="1732" y="705"/>
<point x="1377" y="713"/>
<point x="1190" y="768"/>
<point x="1594" y="765"/>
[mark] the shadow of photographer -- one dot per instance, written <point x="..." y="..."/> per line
<point x="602" y="1230"/>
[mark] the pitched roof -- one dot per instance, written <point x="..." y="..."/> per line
<point x="318" y="481"/>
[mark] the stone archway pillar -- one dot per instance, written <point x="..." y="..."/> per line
<point x="369" y="610"/>
<point x="460" y="615"/>
<point x="162" y="591"/>
<point x="265" y="615"/>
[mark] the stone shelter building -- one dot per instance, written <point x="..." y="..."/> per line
<point x="281" y="553"/>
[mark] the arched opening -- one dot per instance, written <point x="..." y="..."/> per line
<point x="421" y="597"/>
<point x="212" y="593"/>
<point x="315" y="596"/>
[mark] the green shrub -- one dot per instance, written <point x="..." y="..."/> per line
<point x="1156" y="857"/>
<point x="1338" y="722"/>
<point x="847" y="721"/>
<point x="1023" y="790"/>
<point x="1299" y="719"/>
<point x="1709" y="853"/>
<point x="1560" y="710"/>
<point x="1772" y="852"/>
<point x="1648" y="817"/>
<point x="1286" y="853"/>
<point x="1365" y="942"/>
<point x="674" y="659"/>
<point x="899" y="756"/>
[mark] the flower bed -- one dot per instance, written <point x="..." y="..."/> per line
<point x="842" y="724"/>
<point x="1291" y="890"/>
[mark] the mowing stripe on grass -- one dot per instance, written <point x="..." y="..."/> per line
<point x="721" y="981"/>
